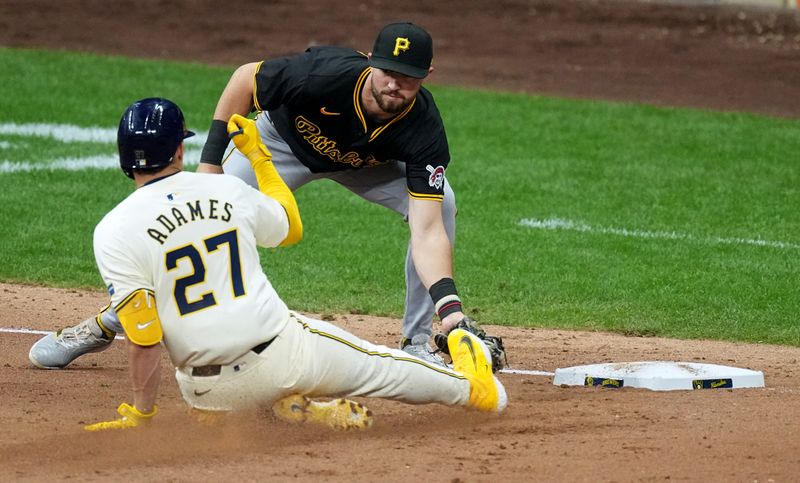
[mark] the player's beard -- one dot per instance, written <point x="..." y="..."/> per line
<point x="388" y="104"/>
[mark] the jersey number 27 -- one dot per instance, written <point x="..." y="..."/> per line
<point x="212" y="244"/>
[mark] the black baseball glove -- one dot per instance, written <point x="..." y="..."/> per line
<point x="495" y="344"/>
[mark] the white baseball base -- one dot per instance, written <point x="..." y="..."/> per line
<point x="659" y="376"/>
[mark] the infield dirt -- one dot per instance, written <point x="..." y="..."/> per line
<point x="717" y="58"/>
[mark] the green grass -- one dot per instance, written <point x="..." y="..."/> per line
<point x="701" y="175"/>
<point x="89" y="90"/>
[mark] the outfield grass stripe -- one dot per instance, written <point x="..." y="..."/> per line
<point x="61" y="132"/>
<point x="191" y="158"/>
<point x="68" y="133"/>
<point x="69" y="164"/>
<point x="570" y="225"/>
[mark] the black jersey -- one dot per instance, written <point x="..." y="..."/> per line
<point x="314" y="100"/>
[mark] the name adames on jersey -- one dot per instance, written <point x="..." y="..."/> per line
<point x="178" y="216"/>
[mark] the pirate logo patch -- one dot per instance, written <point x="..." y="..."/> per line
<point x="436" y="179"/>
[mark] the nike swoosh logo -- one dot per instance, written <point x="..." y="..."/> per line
<point x="200" y="393"/>
<point x="145" y="325"/>
<point x="326" y="112"/>
<point x="468" y="342"/>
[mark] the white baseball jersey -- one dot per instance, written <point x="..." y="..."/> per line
<point x="191" y="239"/>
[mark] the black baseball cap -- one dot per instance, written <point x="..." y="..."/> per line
<point x="403" y="47"/>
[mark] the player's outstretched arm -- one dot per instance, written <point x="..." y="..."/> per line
<point x="236" y="98"/>
<point x="431" y="249"/>
<point x="432" y="254"/>
<point x="138" y="315"/>
<point x="144" y="364"/>
<point x="245" y="135"/>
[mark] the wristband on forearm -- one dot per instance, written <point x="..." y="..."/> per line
<point x="445" y="297"/>
<point x="217" y="142"/>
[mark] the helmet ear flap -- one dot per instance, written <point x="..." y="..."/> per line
<point x="149" y="133"/>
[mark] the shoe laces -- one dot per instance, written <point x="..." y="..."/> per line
<point x="419" y="342"/>
<point x="421" y="349"/>
<point x="74" y="336"/>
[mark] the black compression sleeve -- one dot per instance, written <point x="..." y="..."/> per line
<point x="217" y="142"/>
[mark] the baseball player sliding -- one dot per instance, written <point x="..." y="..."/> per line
<point x="179" y="257"/>
<point x="365" y="122"/>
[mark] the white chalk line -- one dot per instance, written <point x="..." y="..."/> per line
<point x="570" y="225"/>
<point x="13" y="330"/>
<point x="526" y="372"/>
<point x="67" y="133"/>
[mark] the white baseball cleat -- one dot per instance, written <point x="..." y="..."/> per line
<point x="57" y="349"/>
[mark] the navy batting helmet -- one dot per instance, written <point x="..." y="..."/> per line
<point x="149" y="133"/>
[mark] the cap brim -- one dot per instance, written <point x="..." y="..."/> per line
<point x="394" y="66"/>
<point x="188" y="134"/>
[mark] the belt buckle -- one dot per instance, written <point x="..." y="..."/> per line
<point x="261" y="347"/>
<point x="206" y="371"/>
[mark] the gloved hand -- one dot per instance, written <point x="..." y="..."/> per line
<point x="245" y="136"/>
<point x="495" y="344"/>
<point x="131" y="418"/>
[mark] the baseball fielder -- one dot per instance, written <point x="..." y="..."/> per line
<point x="180" y="262"/>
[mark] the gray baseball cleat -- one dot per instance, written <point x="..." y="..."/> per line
<point x="57" y="349"/>
<point x="418" y="346"/>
